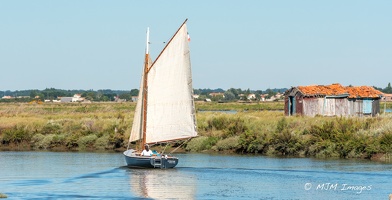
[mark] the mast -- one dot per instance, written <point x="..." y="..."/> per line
<point x="145" y="88"/>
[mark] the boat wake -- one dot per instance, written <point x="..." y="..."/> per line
<point x="91" y="175"/>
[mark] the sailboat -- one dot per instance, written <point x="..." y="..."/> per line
<point x="165" y="110"/>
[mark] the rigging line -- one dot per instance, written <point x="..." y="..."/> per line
<point x="128" y="145"/>
<point x="181" y="145"/>
<point x="167" y="144"/>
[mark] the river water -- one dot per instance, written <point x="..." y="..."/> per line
<point x="64" y="175"/>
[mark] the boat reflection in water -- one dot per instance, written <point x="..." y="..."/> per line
<point x="162" y="184"/>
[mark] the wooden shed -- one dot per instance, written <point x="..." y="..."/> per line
<point x="332" y="100"/>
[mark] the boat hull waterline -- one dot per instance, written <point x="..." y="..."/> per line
<point x="134" y="160"/>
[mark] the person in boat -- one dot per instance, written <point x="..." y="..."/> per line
<point x="146" y="151"/>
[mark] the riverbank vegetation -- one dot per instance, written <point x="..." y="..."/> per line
<point x="250" y="128"/>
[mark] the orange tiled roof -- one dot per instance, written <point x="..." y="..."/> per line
<point x="337" y="89"/>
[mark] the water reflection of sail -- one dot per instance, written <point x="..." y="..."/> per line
<point x="158" y="184"/>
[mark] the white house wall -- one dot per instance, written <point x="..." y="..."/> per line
<point x="310" y="106"/>
<point x="326" y="107"/>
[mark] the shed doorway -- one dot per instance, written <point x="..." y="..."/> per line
<point x="292" y="110"/>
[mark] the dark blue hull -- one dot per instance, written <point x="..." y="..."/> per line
<point x="136" y="161"/>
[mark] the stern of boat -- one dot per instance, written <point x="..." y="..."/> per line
<point x="164" y="161"/>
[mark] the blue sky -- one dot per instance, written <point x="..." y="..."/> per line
<point x="256" y="44"/>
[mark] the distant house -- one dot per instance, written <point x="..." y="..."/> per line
<point x="119" y="100"/>
<point x="278" y="95"/>
<point x="275" y="97"/>
<point x="7" y="97"/>
<point x="23" y="97"/>
<point x="332" y="100"/>
<point x="66" y="99"/>
<point x="75" y="98"/>
<point x="251" y="97"/>
<point x="216" y="94"/>
<point x="134" y="98"/>
<point x="262" y="97"/>
<point x="387" y="97"/>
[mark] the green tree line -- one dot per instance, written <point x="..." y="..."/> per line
<point x="230" y="95"/>
<point x="53" y="94"/>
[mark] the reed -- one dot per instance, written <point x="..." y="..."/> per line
<point x="272" y="133"/>
<point x="106" y="126"/>
<point x="67" y="126"/>
<point x="245" y="106"/>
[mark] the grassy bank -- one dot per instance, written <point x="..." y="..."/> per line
<point x="271" y="133"/>
<point x="65" y="126"/>
<point x="255" y="128"/>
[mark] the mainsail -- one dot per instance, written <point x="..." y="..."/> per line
<point x="170" y="106"/>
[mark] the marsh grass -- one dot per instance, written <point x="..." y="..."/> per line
<point x="254" y="128"/>
<point x="71" y="126"/>
<point x="272" y="133"/>
<point x="246" y="106"/>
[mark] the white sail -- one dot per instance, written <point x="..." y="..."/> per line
<point x="170" y="106"/>
<point x="136" y="132"/>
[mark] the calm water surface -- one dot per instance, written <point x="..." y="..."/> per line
<point x="54" y="175"/>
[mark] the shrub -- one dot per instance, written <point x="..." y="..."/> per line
<point x="287" y="143"/>
<point x="40" y="141"/>
<point x="228" y="143"/>
<point x="86" y="141"/>
<point x="236" y="127"/>
<point x="223" y="126"/>
<point x="217" y="123"/>
<point x="59" y="139"/>
<point x="51" y="128"/>
<point x="324" y="149"/>
<point x="251" y="142"/>
<point x="102" y="142"/>
<point x="282" y="124"/>
<point x="47" y="141"/>
<point x="71" y="140"/>
<point x="201" y="143"/>
<point x="386" y="143"/>
<point x="15" y="135"/>
<point x="116" y="140"/>
<point x="36" y="139"/>
<point x="325" y="131"/>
